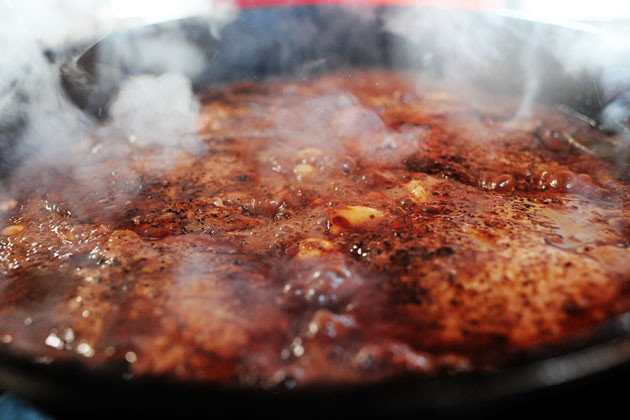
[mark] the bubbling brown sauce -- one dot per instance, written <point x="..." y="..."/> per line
<point x="351" y="228"/>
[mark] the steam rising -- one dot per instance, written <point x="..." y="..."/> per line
<point x="464" y="45"/>
<point x="474" y="47"/>
<point x="160" y="53"/>
<point x="162" y="109"/>
<point x="35" y="118"/>
<point x="155" y="109"/>
<point x="38" y="123"/>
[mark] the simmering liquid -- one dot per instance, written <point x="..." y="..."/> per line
<point x="351" y="228"/>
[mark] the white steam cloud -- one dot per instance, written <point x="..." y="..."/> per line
<point x="155" y="109"/>
<point x="473" y="46"/>
<point x="38" y="122"/>
<point x="35" y="117"/>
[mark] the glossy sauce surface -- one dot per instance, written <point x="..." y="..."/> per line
<point x="351" y="228"/>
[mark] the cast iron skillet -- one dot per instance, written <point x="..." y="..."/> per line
<point x="303" y="41"/>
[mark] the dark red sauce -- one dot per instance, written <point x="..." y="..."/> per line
<point x="350" y="228"/>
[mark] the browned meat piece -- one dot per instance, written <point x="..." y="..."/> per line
<point x="346" y="229"/>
